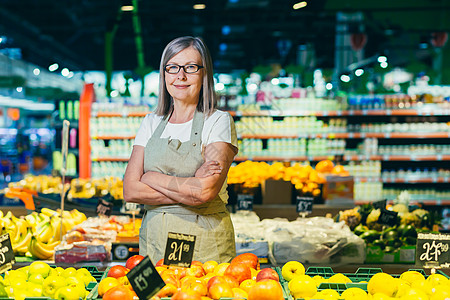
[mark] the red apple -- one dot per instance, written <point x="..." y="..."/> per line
<point x="248" y="258"/>
<point x="214" y="280"/>
<point x="266" y="289"/>
<point x="233" y="282"/>
<point x="133" y="261"/>
<point x="209" y="266"/>
<point x="183" y="295"/>
<point x="194" y="286"/>
<point x="167" y="291"/>
<point x="196" y="271"/>
<point x="267" y="273"/>
<point x="240" y="271"/>
<point x="160" y="263"/>
<point x="117" y="271"/>
<point x="220" y="290"/>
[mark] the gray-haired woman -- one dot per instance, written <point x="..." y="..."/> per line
<point x="181" y="156"/>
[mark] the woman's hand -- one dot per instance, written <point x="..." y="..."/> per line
<point x="209" y="168"/>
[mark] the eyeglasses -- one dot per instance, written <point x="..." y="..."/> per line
<point x="174" y="69"/>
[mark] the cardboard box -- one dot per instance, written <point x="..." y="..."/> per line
<point x="276" y="192"/>
<point x="338" y="190"/>
<point x="405" y="255"/>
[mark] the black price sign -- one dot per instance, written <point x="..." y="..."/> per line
<point x="304" y="204"/>
<point x="388" y="217"/>
<point x="7" y="258"/>
<point x="104" y="207"/>
<point x="380" y="204"/>
<point x="179" y="249"/>
<point x="432" y="250"/>
<point x="245" y="202"/>
<point x="145" y="280"/>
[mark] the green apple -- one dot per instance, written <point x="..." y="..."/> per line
<point x="86" y="279"/>
<point x="34" y="290"/>
<point x="24" y="270"/>
<point x="39" y="267"/>
<point x="51" y="284"/>
<point x="292" y="269"/>
<point x="77" y="284"/>
<point x="59" y="270"/>
<point x="36" y="278"/>
<point x="69" y="272"/>
<point x="14" y="275"/>
<point x="84" y="272"/>
<point x="19" y="294"/>
<point x="67" y="293"/>
<point x="3" y="292"/>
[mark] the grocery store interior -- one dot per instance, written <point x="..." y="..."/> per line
<point x="342" y="115"/>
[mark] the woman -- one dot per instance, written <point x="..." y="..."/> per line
<point x="181" y="157"/>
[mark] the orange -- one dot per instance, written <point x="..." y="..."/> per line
<point x="107" y="284"/>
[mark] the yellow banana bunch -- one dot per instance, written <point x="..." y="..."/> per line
<point x="44" y="232"/>
<point x="56" y="225"/>
<point x="78" y="216"/>
<point x="8" y="226"/>
<point x="32" y="220"/>
<point x="42" y="250"/>
<point x="49" y="212"/>
<point x="22" y="246"/>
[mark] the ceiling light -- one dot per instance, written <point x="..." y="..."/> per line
<point x="53" y="67"/>
<point x="384" y="65"/>
<point x="36" y="71"/>
<point x="127" y="8"/>
<point x="65" y="72"/>
<point x="345" y="78"/>
<point x="299" y="5"/>
<point x="382" y="58"/>
<point x="199" y="6"/>
<point x="359" y="72"/>
<point x="275" y="81"/>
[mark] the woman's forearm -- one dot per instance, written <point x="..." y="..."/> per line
<point x="185" y="190"/>
<point x="139" y="192"/>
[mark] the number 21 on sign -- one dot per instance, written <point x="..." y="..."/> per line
<point x="433" y="249"/>
<point x="178" y="250"/>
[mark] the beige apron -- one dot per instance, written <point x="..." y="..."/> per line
<point x="209" y="222"/>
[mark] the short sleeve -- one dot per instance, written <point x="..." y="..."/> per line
<point x="143" y="133"/>
<point x="223" y="130"/>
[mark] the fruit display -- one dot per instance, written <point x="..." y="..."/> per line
<point x="41" y="280"/>
<point x="410" y="284"/>
<point x="37" y="234"/>
<point x="42" y="184"/>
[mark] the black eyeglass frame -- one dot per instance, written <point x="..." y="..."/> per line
<point x="184" y="68"/>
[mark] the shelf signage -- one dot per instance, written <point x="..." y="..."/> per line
<point x="179" y="249"/>
<point x="379" y="204"/>
<point x="245" y="202"/>
<point x="304" y="204"/>
<point x="7" y="258"/>
<point x="432" y="250"/>
<point x="104" y="207"/>
<point x="145" y="279"/>
<point x="388" y="217"/>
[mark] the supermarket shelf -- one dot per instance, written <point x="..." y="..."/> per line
<point x="338" y="113"/>
<point x="113" y="137"/>
<point x="352" y="135"/>
<point x="118" y="114"/>
<point x="119" y="159"/>
<point x="402" y="180"/>
<point x="412" y="157"/>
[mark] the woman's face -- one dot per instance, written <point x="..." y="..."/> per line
<point x="184" y="86"/>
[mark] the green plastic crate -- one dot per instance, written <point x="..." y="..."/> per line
<point x="93" y="295"/>
<point x="363" y="274"/>
<point x="325" y="272"/>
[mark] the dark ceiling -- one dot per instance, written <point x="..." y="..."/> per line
<point x="72" y="32"/>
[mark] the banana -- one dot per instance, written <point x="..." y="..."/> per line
<point x="31" y="219"/>
<point x="22" y="246"/>
<point x="22" y="226"/>
<point x="48" y="212"/>
<point x="56" y="224"/>
<point x="44" y="233"/>
<point x="38" y="249"/>
<point x="67" y="225"/>
<point x="10" y="227"/>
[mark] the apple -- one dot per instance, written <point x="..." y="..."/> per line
<point x="160" y="263"/>
<point x="36" y="278"/>
<point x="267" y="273"/>
<point x="106" y="284"/>
<point x="34" y="289"/>
<point x="51" y="284"/>
<point x="77" y="284"/>
<point x="67" y="293"/>
<point x="167" y="291"/>
<point x="240" y="271"/>
<point x="232" y="281"/>
<point x="220" y="290"/>
<point x="209" y="266"/>
<point x="247" y="284"/>
<point x="170" y="278"/>
<point x="239" y="293"/>
<point x="266" y="289"/>
<point x="118" y="292"/>
<point x="83" y="271"/>
<point x="195" y="270"/>
<point x="291" y="269"/>
<point x="117" y="271"/>
<point x="195" y="287"/>
<point x="248" y="258"/>
<point x="39" y="267"/>
<point x="220" y="268"/>
<point x="133" y="261"/>
<point x="69" y="272"/>
<point x="214" y="280"/>
<point x="183" y="295"/>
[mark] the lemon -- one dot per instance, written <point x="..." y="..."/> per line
<point x="339" y="278"/>
<point x="382" y="283"/>
<point x="411" y="276"/>
<point x="327" y="294"/>
<point x="415" y="294"/>
<point x="437" y="279"/>
<point x="302" y="286"/>
<point x="354" y="293"/>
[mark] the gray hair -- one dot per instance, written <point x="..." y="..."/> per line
<point x="208" y="99"/>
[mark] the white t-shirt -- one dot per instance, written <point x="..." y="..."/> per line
<point x="219" y="127"/>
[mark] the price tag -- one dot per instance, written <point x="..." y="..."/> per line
<point x="7" y="258"/>
<point x="179" y="249"/>
<point x="432" y="250"/>
<point x="129" y="208"/>
<point x="145" y="280"/>
<point x="388" y="217"/>
<point x="104" y="207"/>
<point x="304" y="204"/>
<point x="245" y="202"/>
<point x="380" y="204"/>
